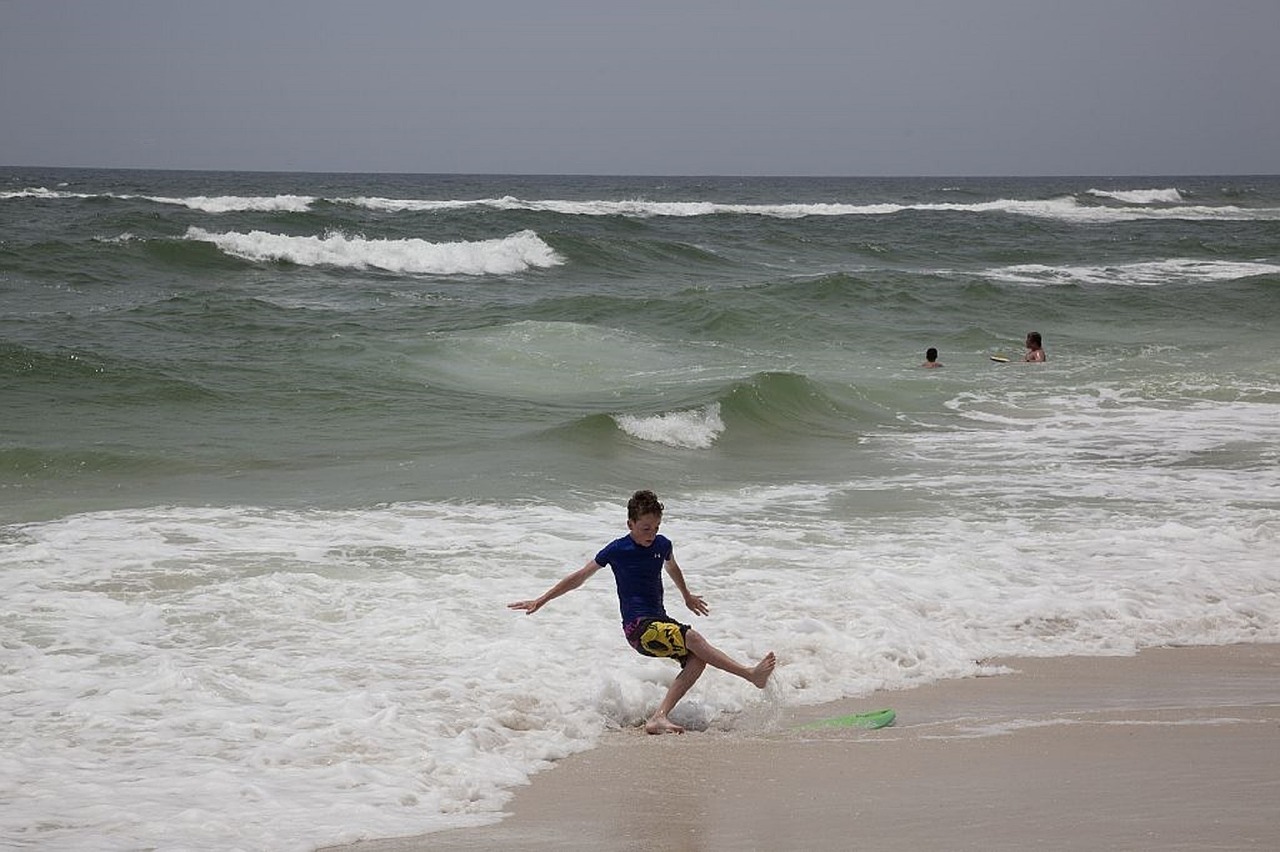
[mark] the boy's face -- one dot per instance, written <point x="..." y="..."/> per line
<point x="644" y="528"/>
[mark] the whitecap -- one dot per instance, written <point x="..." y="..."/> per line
<point x="236" y="203"/>
<point x="503" y="256"/>
<point x="1176" y="270"/>
<point x="695" y="429"/>
<point x="40" y="192"/>
<point x="1140" y="196"/>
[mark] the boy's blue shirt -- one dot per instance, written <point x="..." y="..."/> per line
<point x="637" y="571"/>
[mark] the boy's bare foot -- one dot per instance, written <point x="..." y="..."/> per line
<point x="763" y="670"/>
<point x="662" y="725"/>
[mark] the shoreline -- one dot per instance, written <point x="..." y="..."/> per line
<point x="1171" y="748"/>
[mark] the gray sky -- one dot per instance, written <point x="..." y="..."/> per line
<point x="787" y="87"/>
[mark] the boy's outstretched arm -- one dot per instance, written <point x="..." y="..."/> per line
<point x="568" y="584"/>
<point x="695" y="603"/>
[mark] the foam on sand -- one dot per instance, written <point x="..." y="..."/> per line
<point x="1173" y="748"/>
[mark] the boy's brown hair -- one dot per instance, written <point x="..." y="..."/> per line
<point x="643" y="502"/>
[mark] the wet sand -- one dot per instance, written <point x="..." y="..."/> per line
<point x="1176" y="748"/>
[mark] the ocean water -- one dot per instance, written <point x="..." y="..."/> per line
<point x="277" y="449"/>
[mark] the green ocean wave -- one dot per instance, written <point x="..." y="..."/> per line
<point x="35" y="463"/>
<point x="65" y="375"/>
<point x="768" y="409"/>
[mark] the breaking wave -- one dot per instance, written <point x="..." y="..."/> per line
<point x="503" y="256"/>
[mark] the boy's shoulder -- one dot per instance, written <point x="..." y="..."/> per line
<point x="620" y="541"/>
<point x="627" y="544"/>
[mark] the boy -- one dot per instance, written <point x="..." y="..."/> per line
<point x="931" y="358"/>
<point x="1035" y="348"/>
<point x="637" y="560"/>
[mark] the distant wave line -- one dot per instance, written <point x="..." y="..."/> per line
<point x="1065" y="208"/>
<point x="205" y="203"/>
<point x="1177" y="270"/>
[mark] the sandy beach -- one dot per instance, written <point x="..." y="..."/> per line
<point x="1175" y="748"/>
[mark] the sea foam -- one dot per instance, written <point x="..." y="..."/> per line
<point x="503" y="256"/>
<point x="1065" y="208"/>
<point x="236" y="203"/>
<point x="1139" y="205"/>
<point x="1146" y="274"/>
<point x="693" y="429"/>
<point x="42" y="193"/>
<point x="1140" y="196"/>
<point x="263" y="678"/>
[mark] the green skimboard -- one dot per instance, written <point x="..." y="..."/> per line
<point x="869" y="721"/>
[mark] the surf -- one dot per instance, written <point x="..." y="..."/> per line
<point x="515" y="253"/>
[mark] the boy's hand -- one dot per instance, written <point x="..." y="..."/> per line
<point x="529" y="607"/>
<point x="696" y="604"/>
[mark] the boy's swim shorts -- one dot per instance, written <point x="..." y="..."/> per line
<point x="657" y="637"/>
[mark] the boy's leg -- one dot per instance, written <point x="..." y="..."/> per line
<point x="704" y="650"/>
<point x="701" y="654"/>
<point x="659" y="723"/>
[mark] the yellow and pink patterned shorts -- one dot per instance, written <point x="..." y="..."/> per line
<point x="658" y="637"/>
